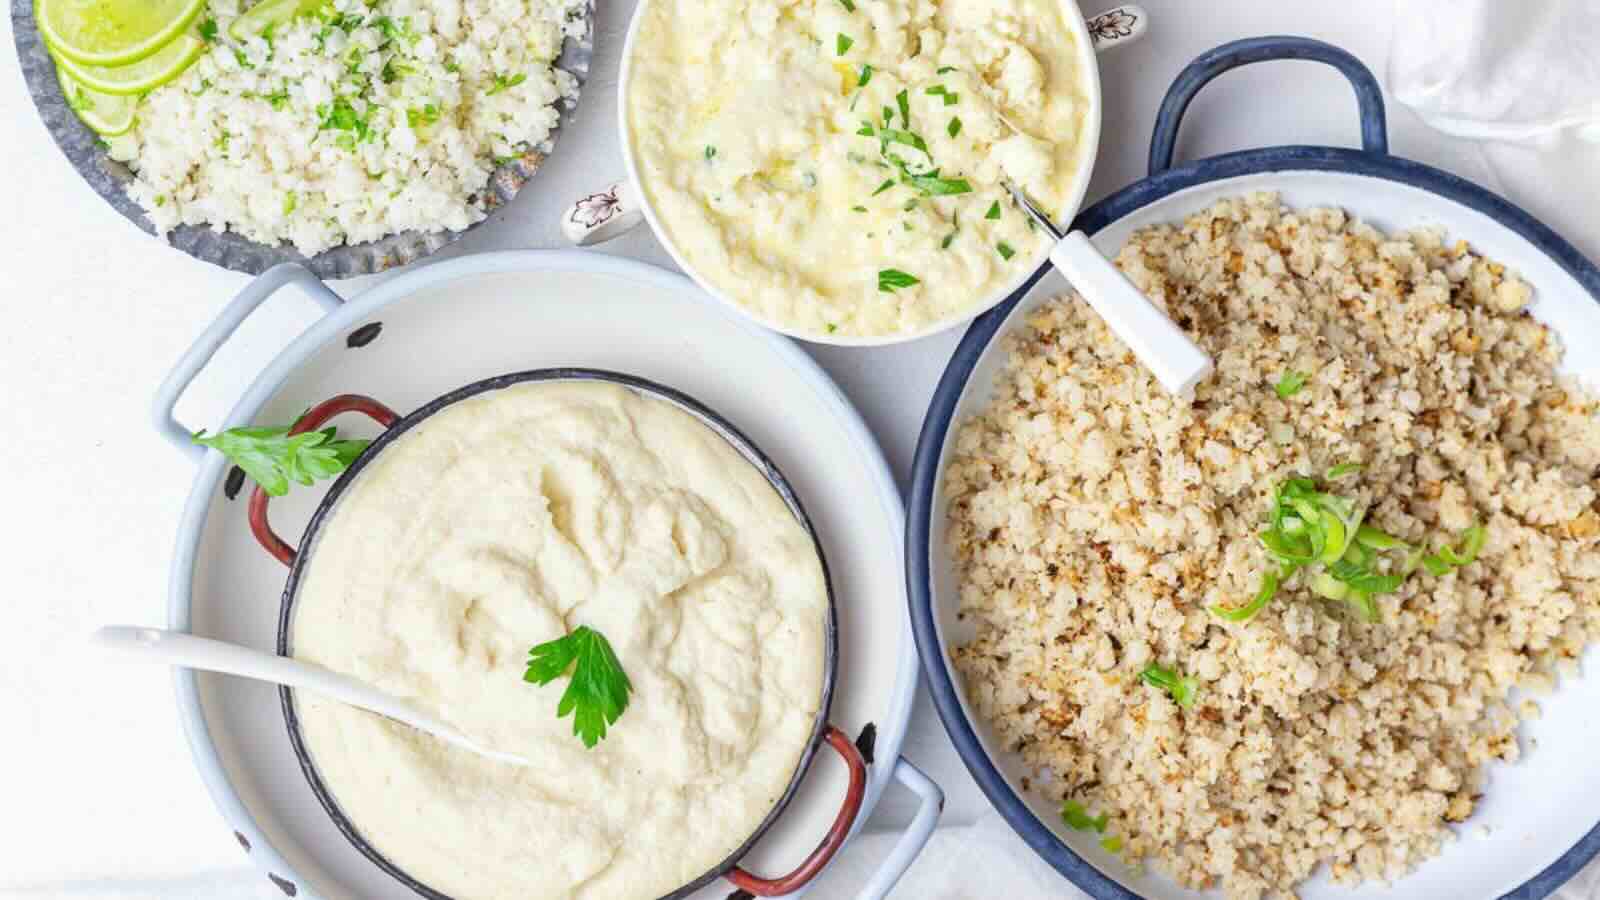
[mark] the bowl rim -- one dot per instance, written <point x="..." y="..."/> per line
<point x="943" y="684"/>
<point x="315" y="529"/>
<point x="1088" y="60"/>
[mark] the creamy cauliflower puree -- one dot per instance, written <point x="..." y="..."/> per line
<point x="504" y="521"/>
<point x="796" y="150"/>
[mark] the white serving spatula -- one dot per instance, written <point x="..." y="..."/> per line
<point x="176" y="648"/>
<point x="1176" y="361"/>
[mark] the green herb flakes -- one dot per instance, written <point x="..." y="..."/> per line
<point x="290" y="201"/>
<point x="842" y="44"/>
<point x="891" y="280"/>
<point x="208" y="30"/>
<point x="888" y="183"/>
<point x="946" y="70"/>
<point x="1290" y="383"/>
<point x="903" y="100"/>
<point x="1112" y="844"/>
<point x="502" y="82"/>
<point x="866" y="75"/>
<point x="994" y="211"/>
<point x="954" y="128"/>
<point x="711" y="153"/>
<point x="1005" y="250"/>
<point x="858" y="208"/>
<point x="848" y="5"/>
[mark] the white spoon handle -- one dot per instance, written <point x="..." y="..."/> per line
<point x="176" y="648"/>
<point x="1158" y="342"/>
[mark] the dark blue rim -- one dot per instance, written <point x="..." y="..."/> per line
<point x="1372" y="161"/>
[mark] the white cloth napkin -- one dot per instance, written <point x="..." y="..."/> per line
<point x="1492" y="69"/>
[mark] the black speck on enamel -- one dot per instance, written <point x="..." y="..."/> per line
<point x="284" y="884"/>
<point x="230" y="489"/>
<point x="867" y="741"/>
<point x="741" y="894"/>
<point x="364" y="335"/>
<point x="243" y="841"/>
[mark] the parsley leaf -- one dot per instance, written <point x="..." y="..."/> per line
<point x="891" y="280"/>
<point x="903" y="99"/>
<point x="933" y="185"/>
<point x="1183" y="690"/>
<point x="502" y="82"/>
<point x="848" y="6"/>
<point x="842" y="44"/>
<point x="1290" y="383"/>
<point x="274" y="458"/>
<point x="866" y="75"/>
<point x="598" y="692"/>
<point x="711" y="153"/>
<point x="945" y="70"/>
<point x="954" y="128"/>
<point x="888" y="183"/>
<point x="1078" y="819"/>
<point x="994" y="211"/>
<point x="1005" y="250"/>
<point x="208" y="30"/>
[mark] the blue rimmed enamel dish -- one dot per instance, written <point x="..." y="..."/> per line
<point x="1541" y="828"/>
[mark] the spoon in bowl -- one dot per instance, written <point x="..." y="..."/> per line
<point x="1176" y="361"/>
<point x="176" y="648"/>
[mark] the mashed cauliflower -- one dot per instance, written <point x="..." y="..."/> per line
<point x="796" y="151"/>
<point x="505" y="521"/>
<point x="352" y="122"/>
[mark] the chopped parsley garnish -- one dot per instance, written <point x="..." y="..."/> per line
<point x="502" y="82"/>
<point x="933" y="185"/>
<point x="939" y="90"/>
<point x="910" y="205"/>
<point x="290" y="201"/>
<point x="832" y="328"/>
<point x="394" y="71"/>
<point x="711" y="153"/>
<point x="858" y="208"/>
<point x="597" y="693"/>
<point x="866" y="75"/>
<point x="1005" y="250"/>
<point x="842" y="44"/>
<point x="274" y="458"/>
<point x="1078" y="819"/>
<point x="935" y="91"/>
<point x="848" y="5"/>
<point x="1182" y="689"/>
<point x="243" y="61"/>
<point x="888" y="183"/>
<point x="954" y="128"/>
<point x="946" y="70"/>
<point x="866" y="130"/>
<point x="903" y="100"/>
<point x="278" y="98"/>
<point x="341" y="116"/>
<point x="994" y="211"/>
<point x="452" y="66"/>
<point x="945" y="244"/>
<point x="891" y="280"/>
<point x="427" y="115"/>
<point x="1112" y="844"/>
<point x="1290" y="383"/>
<point x="208" y="30"/>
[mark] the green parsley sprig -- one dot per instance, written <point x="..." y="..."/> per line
<point x="274" y="458"/>
<point x="597" y="693"/>
<point x="1183" y="689"/>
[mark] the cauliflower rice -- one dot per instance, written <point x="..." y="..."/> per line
<point x="1094" y="519"/>
<point x="351" y="123"/>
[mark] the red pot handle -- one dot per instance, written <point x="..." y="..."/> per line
<point x="807" y="870"/>
<point x="314" y="419"/>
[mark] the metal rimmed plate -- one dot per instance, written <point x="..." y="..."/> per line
<point x="1541" y="823"/>
<point x="234" y="251"/>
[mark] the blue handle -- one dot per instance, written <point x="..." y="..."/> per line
<point x="207" y="344"/>
<point x="1369" y="97"/>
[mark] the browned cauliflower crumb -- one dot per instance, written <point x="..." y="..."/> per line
<point x="1094" y="519"/>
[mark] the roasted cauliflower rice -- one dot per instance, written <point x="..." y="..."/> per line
<point x="1094" y="519"/>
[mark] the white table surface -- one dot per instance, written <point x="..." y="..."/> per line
<point x="100" y="798"/>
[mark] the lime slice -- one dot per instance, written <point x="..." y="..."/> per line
<point x="137" y="77"/>
<point x="268" y="13"/>
<point x="112" y="32"/>
<point x="108" y="114"/>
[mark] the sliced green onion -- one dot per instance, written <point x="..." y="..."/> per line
<point x="1078" y="819"/>
<point x="1324" y="584"/>
<point x="1471" y="542"/>
<point x="1436" y="566"/>
<point x="1341" y="470"/>
<point x="1269" y="587"/>
<point x="1365" y="605"/>
<point x="1378" y="539"/>
<point x="1183" y="690"/>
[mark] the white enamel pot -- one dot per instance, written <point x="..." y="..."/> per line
<point x="603" y="214"/>
<point x="431" y="330"/>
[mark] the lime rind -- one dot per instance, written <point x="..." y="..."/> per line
<point x="107" y="114"/>
<point x="138" y="77"/>
<point x="110" y="32"/>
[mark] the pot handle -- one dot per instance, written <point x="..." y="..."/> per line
<point x="314" y="418"/>
<point x="216" y="334"/>
<point x="909" y="847"/>
<point x="1369" y="97"/>
<point x="831" y="842"/>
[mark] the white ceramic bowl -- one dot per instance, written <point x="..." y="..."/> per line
<point x="604" y="214"/>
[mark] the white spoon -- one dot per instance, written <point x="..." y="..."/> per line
<point x="176" y="648"/>
<point x="1176" y="361"/>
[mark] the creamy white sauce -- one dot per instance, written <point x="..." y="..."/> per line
<point x="745" y="123"/>
<point x="504" y="521"/>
